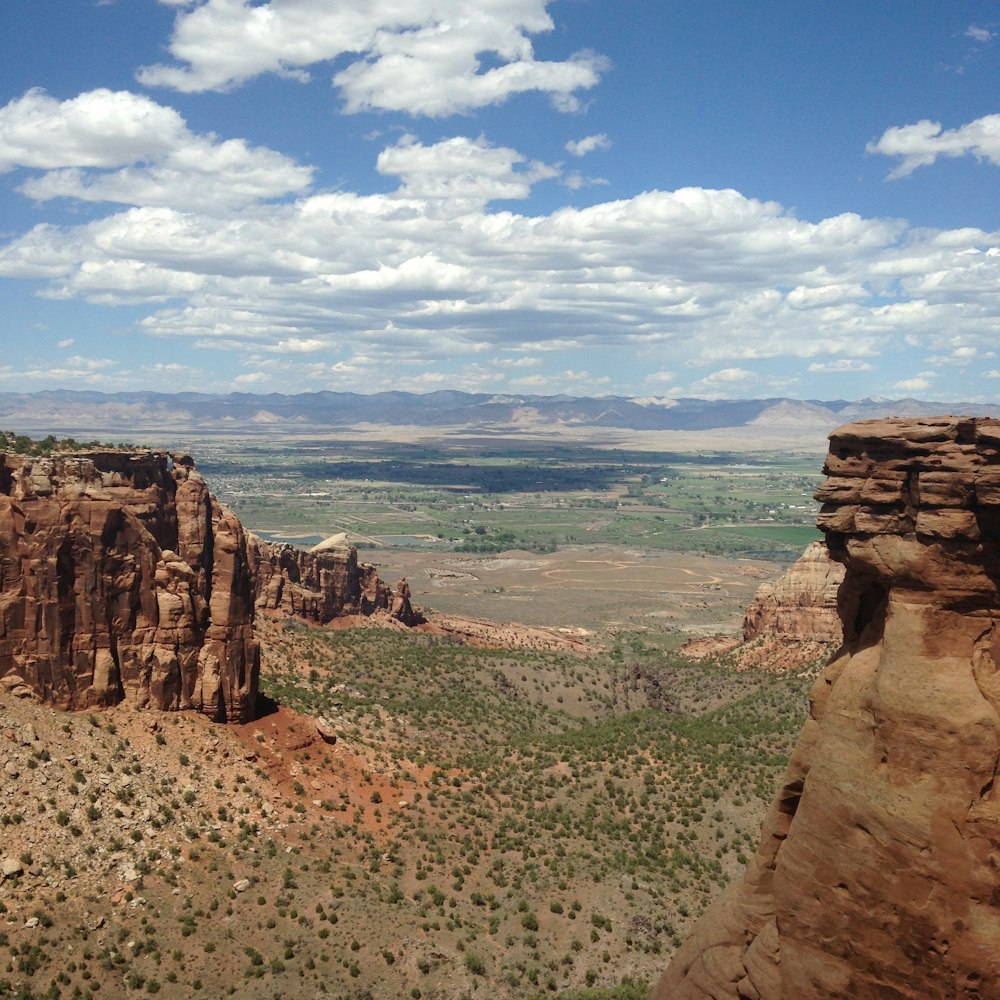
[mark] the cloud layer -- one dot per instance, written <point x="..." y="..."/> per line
<point x="424" y="57"/>
<point x="331" y="284"/>
<point x="451" y="259"/>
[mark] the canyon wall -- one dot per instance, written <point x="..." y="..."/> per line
<point x="878" y="871"/>
<point x="802" y="603"/>
<point x="323" y="584"/>
<point x="123" y="578"/>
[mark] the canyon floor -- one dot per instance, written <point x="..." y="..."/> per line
<point x="529" y="819"/>
<point x="538" y="808"/>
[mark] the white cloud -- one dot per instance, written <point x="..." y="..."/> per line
<point x="721" y="384"/>
<point x="978" y="34"/>
<point x="727" y="376"/>
<point x="251" y="378"/>
<point x="74" y="370"/>
<point x="922" y="143"/>
<point x="429" y="274"/>
<point x="839" y="366"/>
<point x="523" y="361"/>
<point x="919" y="383"/>
<point x="300" y="345"/>
<point x="423" y="58"/>
<point x="568" y="381"/>
<point x="101" y="128"/>
<point x="812" y="297"/>
<point x="68" y="342"/>
<point x="460" y="168"/>
<point x="590" y="143"/>
<point x="574" y="180"/>
<point x="80" y="143"/>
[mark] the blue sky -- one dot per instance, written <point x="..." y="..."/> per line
<point x="652" y="199"/>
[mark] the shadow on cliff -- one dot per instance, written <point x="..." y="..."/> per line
<point x="264" y="706"/>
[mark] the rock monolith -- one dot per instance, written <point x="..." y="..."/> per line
<point x="323" y="584"/>
<point x="802" y="603"/>
<point x="123" y="578"/>
<point x="878" y="871"/>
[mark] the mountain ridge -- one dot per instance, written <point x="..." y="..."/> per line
<point x="63" y="409"/>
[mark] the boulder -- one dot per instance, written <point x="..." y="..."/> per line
<point x="326" y="731"/>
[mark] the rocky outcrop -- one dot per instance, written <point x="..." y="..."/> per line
<point x="123" y="578"/>
<point x="801" y="604"/>
<point x="323" y="584"/>
<point x="878" y="871"/>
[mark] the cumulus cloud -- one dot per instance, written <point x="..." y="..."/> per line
<point x="920" y="144"/>
<point x="424" y="58"/>
<point x="461" y="168"/>
<point x="590" y="143"/>
<point x="101" y="128"/>
<point x="115" y="146"/>
<point x="918" y="383"/>
<point x="430" y="274"/>
<point x="839" y="366"/>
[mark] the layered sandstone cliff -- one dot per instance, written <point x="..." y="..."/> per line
<point x="878" y="872"/>
<point x="802" y="603"/>
<point x="323" y="584"/>
<point x="123" y="578"/>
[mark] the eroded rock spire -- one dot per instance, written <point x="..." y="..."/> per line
<point x="878" y="871"/>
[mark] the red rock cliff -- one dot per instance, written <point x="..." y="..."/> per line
<point x="123" y="578"/>
<point x="321" y="585"/>
<point x="802" y="603"/>
<point x="878" y="872"/>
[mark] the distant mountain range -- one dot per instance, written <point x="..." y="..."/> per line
<point x="128" y="413"/>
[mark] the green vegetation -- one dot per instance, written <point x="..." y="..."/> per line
<point x="21" y="444"/>
<point x="552" y="816"/>
<point x="489" y="822"/>
<point x="518" y="497"/>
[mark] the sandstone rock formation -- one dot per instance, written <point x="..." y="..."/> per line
<point x="123" y="578"/>
<point x="325" y="583"/>
<point x="802" y="603"/>
<point x="878" y="871"/>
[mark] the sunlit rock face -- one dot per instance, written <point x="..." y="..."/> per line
<point x="325" y="583"/>
<point x="802" y="603"/>
<point x="123" y="578"/>
<point x="878" y="871"/>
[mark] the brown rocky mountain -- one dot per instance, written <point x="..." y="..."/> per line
<point x="323" y="584"/>
<point x="877" y="871"/>
<point x="802" y="603"/>
<point x="67" y="411"/>
<point x="123" y="579"/>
